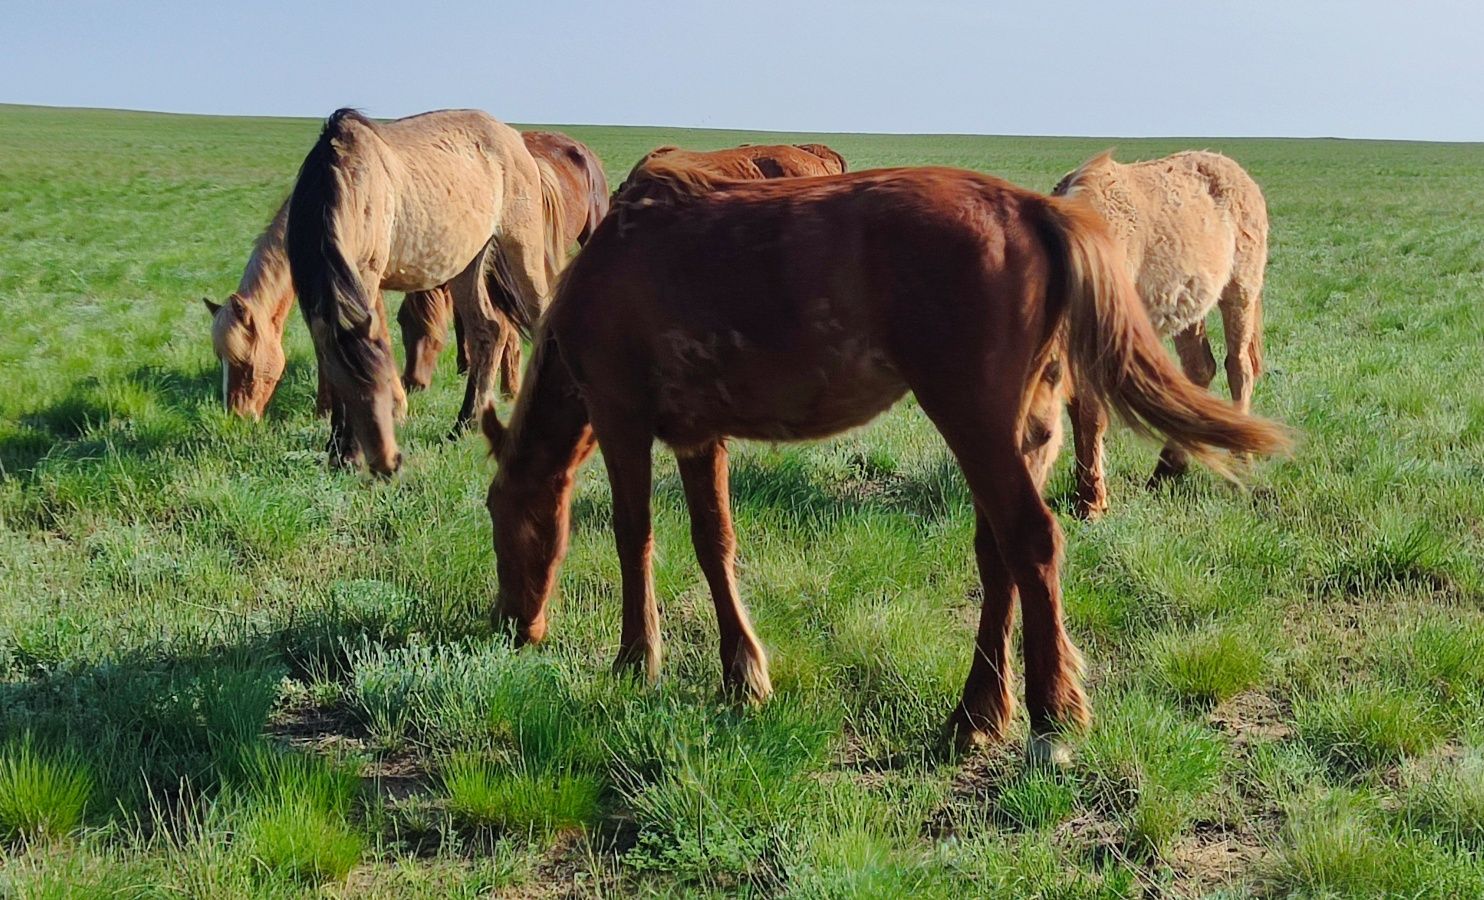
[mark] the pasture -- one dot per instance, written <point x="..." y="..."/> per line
<point x="228" y="671"/>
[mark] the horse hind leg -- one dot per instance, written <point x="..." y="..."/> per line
<point x="484" y="331"/>
<point x="1194" y="348"/>
<point x="980" y="430"/>
<point x="744" y="665"/>
<point x="984" y="710"/>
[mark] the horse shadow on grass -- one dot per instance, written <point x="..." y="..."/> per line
<point x="90" y="419"/>
<point x="162" y="727"/>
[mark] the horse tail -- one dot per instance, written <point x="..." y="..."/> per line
<point x="331" y="294"/>
<point x="597" y="194"/>
<point x="1116" y="355"/>
<point x="553" y="219"/>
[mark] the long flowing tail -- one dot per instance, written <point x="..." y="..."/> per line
<point x="1115" y="353"/>
<point x="554" y="220"/>
<point x="331" y="294"/>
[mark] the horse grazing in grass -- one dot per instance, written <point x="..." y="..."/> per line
<point x="574" y="174"/>
<point x="1194" y="228"/>
<point x="443" y="197"/>
<point x="747" y="163"/>
<point x="797" y="308"/>
<point x="247" y="328"/>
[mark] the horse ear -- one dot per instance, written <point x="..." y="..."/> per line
<point x="241" y="314"/>
<point x="211" y="307"/>
<point x="494" y="432"/>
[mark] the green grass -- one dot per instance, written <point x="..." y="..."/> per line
<point x="1366" y="726"/>
<point x="484" y="796"/>
<point x="244" y="675"/>
<point x="42" y="796"/>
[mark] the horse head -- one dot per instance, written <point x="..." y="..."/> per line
<point x="252" y="361"/>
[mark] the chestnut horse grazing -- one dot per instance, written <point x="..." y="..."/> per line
<point x="797" y="308"/>
<point x="450" y="196"/>
<point x="746" y="163"/>
<point x="247" y="329"/>
<point x="1194" y="228"/>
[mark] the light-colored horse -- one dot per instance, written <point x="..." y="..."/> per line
<point x="1195" y="232"/>
<point x="247" y="328"/>
<point x="449" y="196"/>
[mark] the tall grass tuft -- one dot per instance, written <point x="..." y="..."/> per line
<point x="42" y="795"/>
<point x="1366" y="726"/>
<point x="483" y="795"/>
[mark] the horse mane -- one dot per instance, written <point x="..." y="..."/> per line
<point x="1073" y="179"/>
<point x="330" y="288"/>
<point x="828" y="154"/>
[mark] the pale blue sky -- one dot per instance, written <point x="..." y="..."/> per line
<point x="1146" y="67"/>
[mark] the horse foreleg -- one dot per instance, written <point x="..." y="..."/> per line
<point x="424" y="319"/>
<point x="510" y="362"/>
<point x="744" y="665"/>
<point x="461" y="353"/>
<point x="382" y="334"/>
<point x="626" y="453"/>
<point x="1089" y="421"/>
<point x="323" y="397"/>
<point x="1194" y="349"/>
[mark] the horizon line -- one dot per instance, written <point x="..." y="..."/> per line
<point x="779" y="131"/>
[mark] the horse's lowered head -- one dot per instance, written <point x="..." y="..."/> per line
<point x="252" y="360"/>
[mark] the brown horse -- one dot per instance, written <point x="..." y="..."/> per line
<point x="746" y="163"/>
<point x="1194" y="227"/>
<point x="443" y="197"/>
<point x="797" y="308"/>
<point x="247" y="328"/>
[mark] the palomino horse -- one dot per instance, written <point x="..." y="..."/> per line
<point x="450" y="196"/>
<point x="247" y="328"/>
<point x="797" y="308"/>
<point x="575" y="173"/>
<point x="1195" y="231"/>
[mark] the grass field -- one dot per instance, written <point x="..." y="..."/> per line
<point x="227" y="671"/>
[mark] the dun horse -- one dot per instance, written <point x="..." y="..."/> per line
<point x="450" y="196"/>
<point x="796" y="309"/>
<point x="247" y="329"/>
<point x="1195" y="230"/>
<point x="573" y="172"/>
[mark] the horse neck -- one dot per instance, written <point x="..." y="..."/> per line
<point x="549" y="433"/>
<point x="266" y="285"/>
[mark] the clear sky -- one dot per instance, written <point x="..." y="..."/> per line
<point x="1365" y="68"/>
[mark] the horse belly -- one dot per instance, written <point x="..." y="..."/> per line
<point x="1183" y="272"/>
<point x="440" y="227"/>
<point x="773" y="396"/>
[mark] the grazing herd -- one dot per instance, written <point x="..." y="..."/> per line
<point x="762" y="293"/>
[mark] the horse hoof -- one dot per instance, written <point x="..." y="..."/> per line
<point x="1048" y="751"/>
<point x="1089" y="511"/>
<point x="961" y="737"/>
